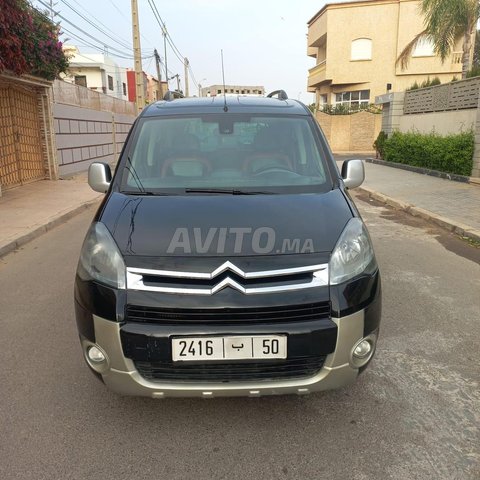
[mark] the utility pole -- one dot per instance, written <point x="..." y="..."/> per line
<point x="164" y="32"/>
<point x="159" y="75"/>
<point x="177" y="76"/>
<point x="137" y="55"/>
<point x="186" y="63"/>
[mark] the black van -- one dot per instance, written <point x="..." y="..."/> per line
<point x="227" y="257"/>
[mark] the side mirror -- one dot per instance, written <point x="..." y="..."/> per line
<point x="99" y="177"/>
<point x="353" y="173"/>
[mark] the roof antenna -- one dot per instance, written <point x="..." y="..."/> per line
<point x="225" y="108"/>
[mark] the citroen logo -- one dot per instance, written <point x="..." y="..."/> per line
<point x="228" y="282"/>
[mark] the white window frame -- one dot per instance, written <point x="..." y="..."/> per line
<point x="348" y="100"/>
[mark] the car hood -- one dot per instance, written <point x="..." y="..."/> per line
<point x="225" y="225"/>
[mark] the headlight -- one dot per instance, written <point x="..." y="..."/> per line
<point x="100" y="258"/>
<point x="352" y="254"/>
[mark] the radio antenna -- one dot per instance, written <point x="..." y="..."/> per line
<point x="225" y="107"/>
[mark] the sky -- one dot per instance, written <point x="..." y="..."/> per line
<point x="263" y="41"/>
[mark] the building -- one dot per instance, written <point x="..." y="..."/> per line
<point x="153" y="89"/>
<point x="214" y="90"/>
<point x="132" y="88"/>
<point x="97" y="72"/>
<point x="356" y="45"/>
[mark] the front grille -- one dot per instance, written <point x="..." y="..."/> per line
<point x="301" y="367"/>
<point x="227" y="275"/>
<point x="228" y="316"/>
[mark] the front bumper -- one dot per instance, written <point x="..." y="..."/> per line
<point x="120" y="375"/>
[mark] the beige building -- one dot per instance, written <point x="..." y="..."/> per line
<point x="153" y="89"/>
<point x="214" y="90"/>
<point x="356" y="45"/>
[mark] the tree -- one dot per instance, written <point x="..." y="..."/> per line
<point x="476" y="50"/>
<point x="29" y="41"/>
<point x="446" y="22"/>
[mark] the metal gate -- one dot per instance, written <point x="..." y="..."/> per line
<point x="21" y="150"/>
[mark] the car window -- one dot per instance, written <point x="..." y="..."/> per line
<point x="249" y="152"/>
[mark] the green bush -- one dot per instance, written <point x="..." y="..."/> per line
<point x="344" y="109"/>
<point x="379" y="143"/>
<point x="474" y="72"/>
<point x="426" y="83"/>
<point x="415" y="86"/>
<point x="451" y="153"/>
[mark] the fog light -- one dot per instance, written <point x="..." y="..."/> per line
<point x="363" y="349"/>
<point x="95" y="355"/>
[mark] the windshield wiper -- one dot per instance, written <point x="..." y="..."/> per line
<point x="138" y="192"/>
<point x="226" y="191"/>
<point x="134" y="174"/>
<point x="147" y="193"/>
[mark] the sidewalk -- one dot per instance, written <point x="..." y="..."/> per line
<point x="29" y="211"/>
<point x="452" y="205"/>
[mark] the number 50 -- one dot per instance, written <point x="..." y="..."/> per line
<point x="271" y="346"/>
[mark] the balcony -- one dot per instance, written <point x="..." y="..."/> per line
<point x="318" y="74"/>
<point x="457" y="58"/>
<point x="317" y="31"/>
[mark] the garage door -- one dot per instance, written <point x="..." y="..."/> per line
<point x="21" y="157"/>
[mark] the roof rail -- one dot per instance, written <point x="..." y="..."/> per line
<point x="172" y="95"/>
<point x="281" y="94"/>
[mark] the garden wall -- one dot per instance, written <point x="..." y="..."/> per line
<point x="350" y="133"/>
<point x="89" y="126"/>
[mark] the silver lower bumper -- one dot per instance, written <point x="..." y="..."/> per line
<point x="120" y="375"/>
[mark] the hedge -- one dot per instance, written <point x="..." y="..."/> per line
<point x="451" y="153"/>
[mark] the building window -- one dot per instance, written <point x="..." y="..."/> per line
<point x="110" y="82"/>
<point x="354" y="99"/>
<point x="124" y="86"/>
<point x="361" y="49"/>
<point x="81" y="80"/>
<point x="424" y="48"/>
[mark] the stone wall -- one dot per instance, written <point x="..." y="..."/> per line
<point x="350" y="133"/>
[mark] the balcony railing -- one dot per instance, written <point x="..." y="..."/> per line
<point x="457" y="57"/>
<point x="317" y="74"/>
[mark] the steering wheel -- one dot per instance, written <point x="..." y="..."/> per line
<point x="264" y="170"/>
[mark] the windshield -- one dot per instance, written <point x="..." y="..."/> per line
<point x="226" y="153"/>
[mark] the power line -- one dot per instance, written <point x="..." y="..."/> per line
<point x="169" y="39"/>
<point x="128" y="20"/>
<point x="86" y="33"/>
<point x="96" y="47"/>
<point x="94" y="25"/>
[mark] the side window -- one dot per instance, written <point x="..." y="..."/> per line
<point x="361" y="49"/>
<point x="81" y="80"/>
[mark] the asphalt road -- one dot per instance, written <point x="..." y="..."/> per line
<point x="414" y="414"/>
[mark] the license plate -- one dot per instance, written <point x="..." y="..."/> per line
<point x="257" y="347"/>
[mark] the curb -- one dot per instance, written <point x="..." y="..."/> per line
<point x="443" y="222"/>
<point x="38" y="231"/>
<point x="425" y="171"/>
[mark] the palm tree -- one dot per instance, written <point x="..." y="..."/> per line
<point x="446" y="22"/>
